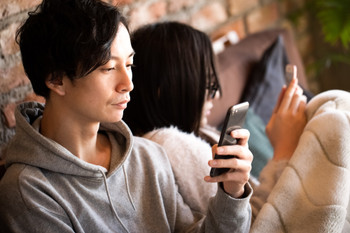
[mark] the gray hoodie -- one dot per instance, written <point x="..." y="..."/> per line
<point x="48" y="189"/>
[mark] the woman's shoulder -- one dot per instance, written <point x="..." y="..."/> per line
<point x="172" y="135"/>
<point x="176" y="142"/>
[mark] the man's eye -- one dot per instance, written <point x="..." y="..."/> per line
<point x="109" y="69"/>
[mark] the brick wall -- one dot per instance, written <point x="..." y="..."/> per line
<point x="216" y="17"/>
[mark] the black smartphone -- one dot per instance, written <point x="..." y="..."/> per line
<point x="235" y="118"/>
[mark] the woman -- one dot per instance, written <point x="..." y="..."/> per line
<point x="175" y="81"/>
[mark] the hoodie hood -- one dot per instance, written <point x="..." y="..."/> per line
<point x="36" y="150"/>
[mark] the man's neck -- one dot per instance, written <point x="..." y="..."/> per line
<point x="80" y="138"/>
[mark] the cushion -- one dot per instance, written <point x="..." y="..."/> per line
<point x="259" y="143"/>
<point x="266" y="80"/>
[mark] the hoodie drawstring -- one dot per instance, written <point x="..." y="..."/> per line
<point x="110" y="200"/>
<point x="127" y="187"/>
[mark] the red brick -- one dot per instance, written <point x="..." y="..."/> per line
<point x="138" y="17"/>
<point x="209" y="16"/>
<point x="8" y="44"/>
<point x="158" y="10"/>
<point x="12" y="77"/>
<point x="178" y="5"/>
<point x="238" y="7"/>
<point x="237" y="26"/>
<point x="9" y="113"/>
<point x="10" y="7"/>
<point x="145" y="14"/>
<point x="262" y="18"/>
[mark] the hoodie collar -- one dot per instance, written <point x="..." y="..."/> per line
<point x="30" y="147"/>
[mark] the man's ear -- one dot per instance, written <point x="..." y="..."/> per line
<point x="55" y="85"/>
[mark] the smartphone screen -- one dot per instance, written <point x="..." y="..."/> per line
<point x="234" y="119"/>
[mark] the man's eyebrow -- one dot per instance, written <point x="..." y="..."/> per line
<point x="117" y="58"/>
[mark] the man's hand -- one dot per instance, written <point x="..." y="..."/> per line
<point x="238" y="175"/>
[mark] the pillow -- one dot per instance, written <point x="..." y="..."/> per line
<point x="259" y="144"/>
<point x="266" y="80"/>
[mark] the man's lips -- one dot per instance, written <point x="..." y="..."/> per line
<point x="122" y="104"/>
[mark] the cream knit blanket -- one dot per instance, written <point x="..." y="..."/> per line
<point x="312" y="193"/>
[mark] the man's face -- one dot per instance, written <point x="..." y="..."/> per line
<point x="103" y="95"/>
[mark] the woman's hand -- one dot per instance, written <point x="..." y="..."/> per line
<point x="238" y="175"/>
<point x="287" y="121"/>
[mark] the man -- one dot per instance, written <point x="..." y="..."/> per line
<point x="73" y="165"/>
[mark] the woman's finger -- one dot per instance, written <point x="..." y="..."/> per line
<point x="296" y="99"/>
<point x="279" y="100"/>
<point x="287" y="98"/>
<point x="302" y="104"/>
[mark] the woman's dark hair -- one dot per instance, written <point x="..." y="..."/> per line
<point x="66" y="37"/>
<point x="174" y="64"/>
